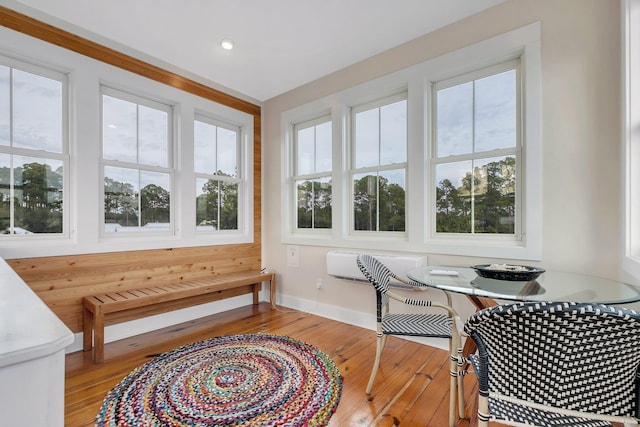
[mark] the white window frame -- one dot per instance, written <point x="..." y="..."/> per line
<point x="63" y="155"/>
<point x="631" y="135"/>
<point x="353" y="171"/>
<point x="169" y="169"/>
<point x="523" y="44"/>
<point x="296" y="176"/>
<point x="238" y="180"/>
<point x="516" y="151"/>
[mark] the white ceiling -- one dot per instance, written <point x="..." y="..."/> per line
<point x="279" y="44"/>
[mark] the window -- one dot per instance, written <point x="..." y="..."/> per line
<point x="312" y="179"/>
<point x="33" y="150"/>
<point x="379" y="165"/>
<point x="476" y="152"/>
<point x="216" y="154"/>
<point x="442" y="157"/>
<point x="136" y="154"/>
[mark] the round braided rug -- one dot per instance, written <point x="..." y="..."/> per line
<point x="234" y="380"/>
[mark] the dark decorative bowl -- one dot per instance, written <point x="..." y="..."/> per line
<point x="523" y="273"/>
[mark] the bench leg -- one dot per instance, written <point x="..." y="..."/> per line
<point x="87" y="329"/>
<point x="272" y="291"/>
<point x="256" y="289"/>
<point x="98" y="335"/>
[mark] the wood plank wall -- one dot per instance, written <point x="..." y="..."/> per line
<point x="62" y="281"/>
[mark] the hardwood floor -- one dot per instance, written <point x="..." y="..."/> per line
<point x="411" y="388"/>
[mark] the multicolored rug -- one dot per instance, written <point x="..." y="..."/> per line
<point x="234" y="380"/>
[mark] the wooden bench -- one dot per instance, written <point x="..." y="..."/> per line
<point x="97" y="307"/>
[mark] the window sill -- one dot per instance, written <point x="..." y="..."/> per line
<point x="493" y="249"/>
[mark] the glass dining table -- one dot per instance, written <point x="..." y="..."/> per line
<point x="554" y="286"/>
<point x="550" y="286"/>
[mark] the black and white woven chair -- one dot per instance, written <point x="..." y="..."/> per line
<point x="556" y="364"/>
<point x="446" y="325"/>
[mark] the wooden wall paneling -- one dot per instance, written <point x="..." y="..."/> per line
<point x="62" y="281"/>
<point x="88" y="263"/>
<point x="51" y="273"/>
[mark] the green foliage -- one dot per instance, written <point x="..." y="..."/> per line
<point x="485" y="200"/>
<point x="37" y="201"/>
<point x="314" y="204"/>
<point x="155" y="204"/>
<point x="453" y="212"/>
<point x="120" y="203"/>
<point x="378" y="205"/>
<point x="218" y="205"/>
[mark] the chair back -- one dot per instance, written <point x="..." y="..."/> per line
<point x="581" y="357"/>
<point x="376" y="272"/>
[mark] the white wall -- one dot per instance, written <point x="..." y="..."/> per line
<point x="581" y="115"/>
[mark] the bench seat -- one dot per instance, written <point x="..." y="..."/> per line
<point x="97" y="307"/>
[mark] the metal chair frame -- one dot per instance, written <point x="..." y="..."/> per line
<point x="446" y="326"/>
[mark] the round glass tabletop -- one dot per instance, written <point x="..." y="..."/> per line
<point x="555" y="286"/>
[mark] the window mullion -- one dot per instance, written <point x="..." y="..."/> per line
<point x="473" y="198"/>
<point x="473" y="151"/>
<point x="10" y="149"/>
<point x="377" y="203"/>
<point x="138" y="134"/>
<point x="139" y="198"/>
<point x="313" y="204"/>
<point x="12" y="193"/>
<point x="11" y="113"/>
<point x="219" y="201"/>
<point x="215" y="150"/>
<point x="315" y="150"/>
<point x="378" y="174"/>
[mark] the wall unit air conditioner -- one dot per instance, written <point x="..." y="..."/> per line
<point x="342" y="264"/>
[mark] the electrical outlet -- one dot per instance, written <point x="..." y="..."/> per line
<point x="318" y="283"/>
<point x="293" y="259"/>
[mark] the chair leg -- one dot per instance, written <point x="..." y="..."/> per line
<point x="456" y="391"/>
<point x="453" y="387"/>
<point x="384" y="342"/>
<point x="456" y="396"/>
<point x="483" y="411"/>
<point x="380" y="342"/>
<point x="461" y="407"/>
<point x="460" y="378"/>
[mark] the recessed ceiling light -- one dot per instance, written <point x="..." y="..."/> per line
<point x="226" y="44"/>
